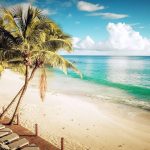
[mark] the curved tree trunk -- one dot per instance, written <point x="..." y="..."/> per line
<point x="21" y="96"/>
<point x="10" y="104"/>
<point x="5" y="111"/>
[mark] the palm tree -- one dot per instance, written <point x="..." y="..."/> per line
<point x="29" y="41"/>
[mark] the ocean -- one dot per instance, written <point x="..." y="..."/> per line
<point x="122" y="79"/>
<point x="108" y="100"/>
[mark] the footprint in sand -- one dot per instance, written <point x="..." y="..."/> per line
<point x="119" y="145"/>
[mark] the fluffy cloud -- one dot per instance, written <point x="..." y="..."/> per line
<point x="48" y="12"/>
<point x="45" y="12"/>
<point x="76" y="41"/>
<point x="87" y="43"/>
<point x="86" y="6"/>
<point x="123" y="39"/>
<point x="109" y="15"/>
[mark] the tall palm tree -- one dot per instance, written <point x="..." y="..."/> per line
<point x="28" y="39"/>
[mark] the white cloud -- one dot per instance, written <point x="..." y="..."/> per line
<point x="85" y="44"/>
<point x="124" y="37"/>
<point x="109" y="15"/>
<point x="48" y="12"/>
<point x="90" y="7"/>
<point x="76" y="40"/>
<point x="45" y="12"/>
<point x="123" y="40"/>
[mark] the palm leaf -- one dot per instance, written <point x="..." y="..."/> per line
<point x="1" y="69"/>
<point x="1" y="22"/>
<point x="18" y="15"/>
<point x="57" y="44"/>
<point x="43" y="84"/>
<point x="7" y="40"/>
<point x="54" y="60"/>
<point x="16" y="61"/>
<point x="10" y="23"/>
<point x="31" y="19"/>
<point x="12" y="55"/>
<point x="19" y="68"/>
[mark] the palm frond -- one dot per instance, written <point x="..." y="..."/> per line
<point x="38" y="28"/>
<point x="12" y="55"/>
<point x="20" y="68"/>
<point x="43" y="84"/>
<point x="1" y="69"/>
<point x="30" y="19"/>
<point x="18" y="16"/>
<point x="55" y="60"/>
<point x="57" y="44"/>
<point x="16" y="60"/>
<point x="7" y="40"/>
<point x="39" y="15"/>
<point x="52" y="43"/>
<point x="9" y="22"/>
<point x="1" y="22"/>
<point x="48" y="25"/>
<point x="37" y="37"/>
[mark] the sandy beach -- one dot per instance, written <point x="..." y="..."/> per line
<point x="86" y="123"/>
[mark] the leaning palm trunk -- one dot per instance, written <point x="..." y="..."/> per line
<point x="21" y="96"/>
<point x="11" y="103"/>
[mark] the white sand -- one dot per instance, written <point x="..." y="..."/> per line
<point x="84" y="122"/>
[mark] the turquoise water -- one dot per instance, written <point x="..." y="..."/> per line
<point x="128" y="74"/>
<point x="131" y="74"/>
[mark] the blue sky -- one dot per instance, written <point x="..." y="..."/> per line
<point x="96" y="24"/>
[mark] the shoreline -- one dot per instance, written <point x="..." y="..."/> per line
<point x="85" y="122"/>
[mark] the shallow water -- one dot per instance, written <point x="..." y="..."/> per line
<point x="122" y="79"/>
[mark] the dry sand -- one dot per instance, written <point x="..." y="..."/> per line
<point x="84" y="122"/>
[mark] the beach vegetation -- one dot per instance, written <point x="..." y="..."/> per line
<point x="30" y="41"/>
